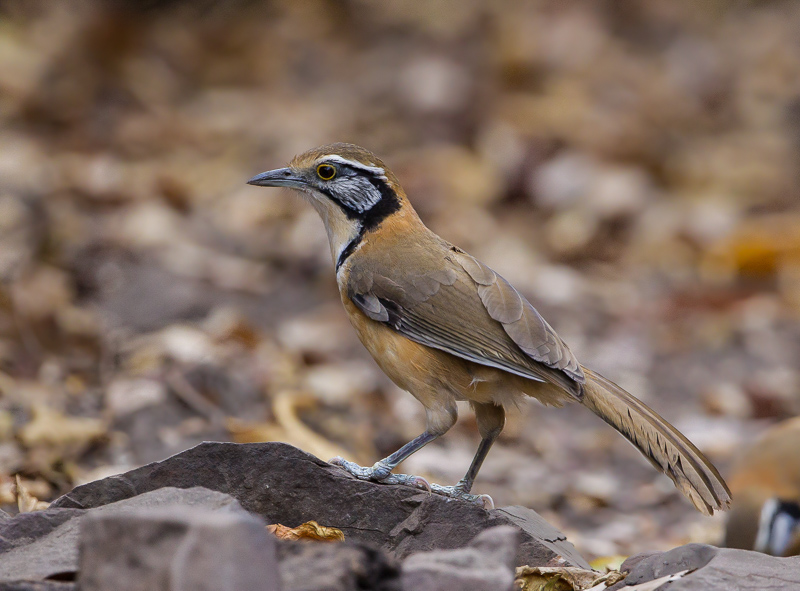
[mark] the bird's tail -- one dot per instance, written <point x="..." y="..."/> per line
<point x="661" y="443"/>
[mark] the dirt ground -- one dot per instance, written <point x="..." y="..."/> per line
<point x="630" y="166"/>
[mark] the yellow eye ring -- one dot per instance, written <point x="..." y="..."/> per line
<point x="326" y="172"/>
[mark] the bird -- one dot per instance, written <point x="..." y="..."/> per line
<point x="445" y="328"/>
<point x="766" y="483"/>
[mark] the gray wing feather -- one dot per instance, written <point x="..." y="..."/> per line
<point x="520" y="320"/>
<point x="430" y="307"/>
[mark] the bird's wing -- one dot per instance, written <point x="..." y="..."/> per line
<point x="457" y="304"/>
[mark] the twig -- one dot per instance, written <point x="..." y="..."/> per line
<point x="193" y="399"/>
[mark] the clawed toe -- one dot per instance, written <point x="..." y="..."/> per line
<point x="487" y="501"/>
<point x="420" y="482"/>
<point x="408" y="480"/>
<point x="354" y="469"/>
<point x="382" y="473"/>
<point x="454" y="492"/>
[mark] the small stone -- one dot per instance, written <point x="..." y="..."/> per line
<point x="435" y="85"/>
<point x="339" y="382"/>
<point x="712" y="569"/>
<point x="571" y="230"/>
<point x="557" y="285"/>
<point x="318" y="333"/>
<point x="619" y="191"/>
<point x="127" y="396"/>
<point x="563" y="181"/>
<point x="176" y="549"/>
<point x="347" y="566"/>
<point x="42" y="544"/>
<point x="485" y="564"/>
<point x="728" y="399"/>
<point x="187" y="344"/>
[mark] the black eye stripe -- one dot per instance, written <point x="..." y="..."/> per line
<point x="387" y="204"/>
<point x="370" y="219"/>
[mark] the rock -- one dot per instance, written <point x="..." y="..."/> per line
<point x="347" y="566"/>
<point x="487" y="563"/>
<point x="653" y="566"/>
<point x="713" y="569"/>
<point x="537" y="531"/>
<point x="44" y="544"/>
<point x="176" y="548"/>
<point x="562" y="181"/>
<point x="38" y="586"/>
<point x="285" y="485"/>
<point x="28" y="527"/>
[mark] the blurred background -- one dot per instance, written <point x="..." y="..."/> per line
<point x="631" y="166"/>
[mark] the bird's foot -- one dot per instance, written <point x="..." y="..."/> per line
<point x="380" y="472"/>
<point x="458" y="492"/>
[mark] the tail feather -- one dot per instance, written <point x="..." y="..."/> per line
<point x="661" y="443"/>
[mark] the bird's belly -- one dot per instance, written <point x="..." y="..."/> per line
<point x="429" y="373"/>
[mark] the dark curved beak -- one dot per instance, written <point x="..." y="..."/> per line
<point x="280" y="177"/>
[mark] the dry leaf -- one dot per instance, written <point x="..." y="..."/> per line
<point x="8" y="491"/>
<point x="50" y="426"/>
<point x="288" y="427"/>
<point x="26" y="502"/>
<point x="564" y="578"/>
<point x="608" y="563"/>
<point x="310" y="530"/>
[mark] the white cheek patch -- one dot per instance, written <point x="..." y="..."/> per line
<point x="357" y="193"/>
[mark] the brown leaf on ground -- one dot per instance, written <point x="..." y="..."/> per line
<point x="607" y="563"/>
<point x="51" y="427"/>
<point x="288" y="427"/>
<point x="310" y="530"/>
<point x="563" y="578"/>
<point x="26" y="502"/>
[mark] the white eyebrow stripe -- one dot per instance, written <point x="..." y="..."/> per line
<point x="376" y="170"/>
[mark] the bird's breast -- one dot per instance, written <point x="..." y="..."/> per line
<point x="429" y="373"/>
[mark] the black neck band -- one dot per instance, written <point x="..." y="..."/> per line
<point x="370" y="219"/>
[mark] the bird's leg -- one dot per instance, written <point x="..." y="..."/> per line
<point x="439" y="422"/>
<point x="491" y="420"/>
<point x="381" y="471"/>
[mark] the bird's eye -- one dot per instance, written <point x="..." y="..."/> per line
<point x="326" y="172"/>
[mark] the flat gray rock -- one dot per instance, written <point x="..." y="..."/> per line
<point x="50" y="546"/>
<point x="37" y="586"/>
<point x="714" y="569"/>
<point x="342" y="566"/>
<point x="285" y="485"/>
<point x="176" y="548"/>
<point x="486" y="564"/>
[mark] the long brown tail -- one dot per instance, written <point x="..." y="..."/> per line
<point x="661" y="443"/>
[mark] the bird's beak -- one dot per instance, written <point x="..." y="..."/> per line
<point x="280" y="177"/>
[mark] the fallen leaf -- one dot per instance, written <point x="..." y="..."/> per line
<point x="26" y="502"/>
<point x="8" y="491"/>
<point x="310" y="530"/>
<point x="51" y="427"/>
<point x="607" y="563"/>
<point x="564" y="578"/>
<point x="288" y="427"/>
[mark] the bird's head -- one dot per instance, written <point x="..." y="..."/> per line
<point x="348" y="177"/>
<point x="350" y="187"/>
